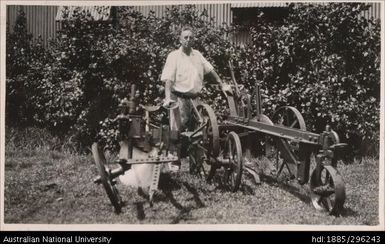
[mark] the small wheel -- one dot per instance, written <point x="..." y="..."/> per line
<point x="327" y="189"/>
<point x="203" y="153"/>
<point x="108" y="184"/>
<point x="233" y="153"/>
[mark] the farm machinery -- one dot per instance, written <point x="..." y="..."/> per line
<point x="291" y="146"/>
<point x="228" y="146"/>
<point x="147" y="132"/>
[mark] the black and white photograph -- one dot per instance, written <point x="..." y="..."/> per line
<point x="206" y="115"/>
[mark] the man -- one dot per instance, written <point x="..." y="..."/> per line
<point x="183" y="76"/>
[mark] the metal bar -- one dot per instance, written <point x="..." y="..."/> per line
<point x="246" y="133"/>
<point x="223" y="161"/>
<point x="155" y="181"/>
<point x="198" y="130"/>
<point x="276" y="130"/>
<point x="258" y="100"/>
<point x="154" y="160"/>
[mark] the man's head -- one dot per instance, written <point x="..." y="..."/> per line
<point x="186" y="37"/>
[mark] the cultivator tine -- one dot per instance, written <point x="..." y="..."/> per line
<point x="253" y="173"/>
<point x="280" y="168"/>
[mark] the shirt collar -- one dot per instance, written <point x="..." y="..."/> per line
<point x="181" y="50"/>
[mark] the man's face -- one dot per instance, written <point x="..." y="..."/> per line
<point x="186" y="39"/>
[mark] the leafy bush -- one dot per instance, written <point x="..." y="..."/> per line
<point x="93" y="65"/>
<point x="25" y="58"/>
<point x="323" y="60"/>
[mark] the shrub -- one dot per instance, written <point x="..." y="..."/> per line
<point x="25" y="58"/>
<point x="93" y="65"/>
<point x="323" y="60"/>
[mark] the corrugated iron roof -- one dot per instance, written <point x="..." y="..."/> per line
<point x="258" y="4"/>
<point x="92" y="12"/>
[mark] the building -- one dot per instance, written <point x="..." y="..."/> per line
<point x="44" y="21"/>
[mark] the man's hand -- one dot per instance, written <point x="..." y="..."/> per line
<point x="167" y="103"/>
<point x="226" y="88"/>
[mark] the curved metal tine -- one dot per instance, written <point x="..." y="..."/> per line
<point x="288" y="169"/>
<point x="329" y="181"/>
<point x="202" y="169"/>
<point x="281" y="167"/>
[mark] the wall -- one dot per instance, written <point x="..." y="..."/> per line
<point x="41" y="19"/>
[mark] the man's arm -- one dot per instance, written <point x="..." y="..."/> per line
<point x="167" y="90"/>
<point x="168" y="75"/>
<point x="224" y="87"/>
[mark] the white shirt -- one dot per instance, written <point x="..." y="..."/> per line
<point x="186" y="71"/>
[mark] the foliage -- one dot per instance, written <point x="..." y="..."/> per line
<point x="94" y="64"/>
<point x="25" y="58"/>
<point x="323" y="60"/>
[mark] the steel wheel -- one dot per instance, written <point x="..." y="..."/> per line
<point x="327" y="189"/>
<point x="203" y="153"/>
<point x="233" y="153"/>
<point x="108" y="184"/>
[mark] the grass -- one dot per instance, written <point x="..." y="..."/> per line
<point x="44" y="185"/>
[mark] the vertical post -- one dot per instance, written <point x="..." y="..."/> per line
<point x="233" y="99"/>
<point x="131" y="103"/>
<point x="258" y="100"/>
<point x="303" y="166"/>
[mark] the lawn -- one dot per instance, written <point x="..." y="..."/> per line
<point x="48" y="185"/>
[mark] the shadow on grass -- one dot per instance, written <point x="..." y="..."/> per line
<point x="168" y="185"/>
<point x="220" y="184"/>
<point x="271" y="180"/>
<point x="348" y="212"/>
<point x="194" y="192"/>
<point x="140" y="215"/>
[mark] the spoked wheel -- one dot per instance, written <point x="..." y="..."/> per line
<point x="290" y="117"/>
<point x="233" y="169"/>
<point x="203" y="152"/>
<point x="327" y="189"/>
<point x="108" y="184"/>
